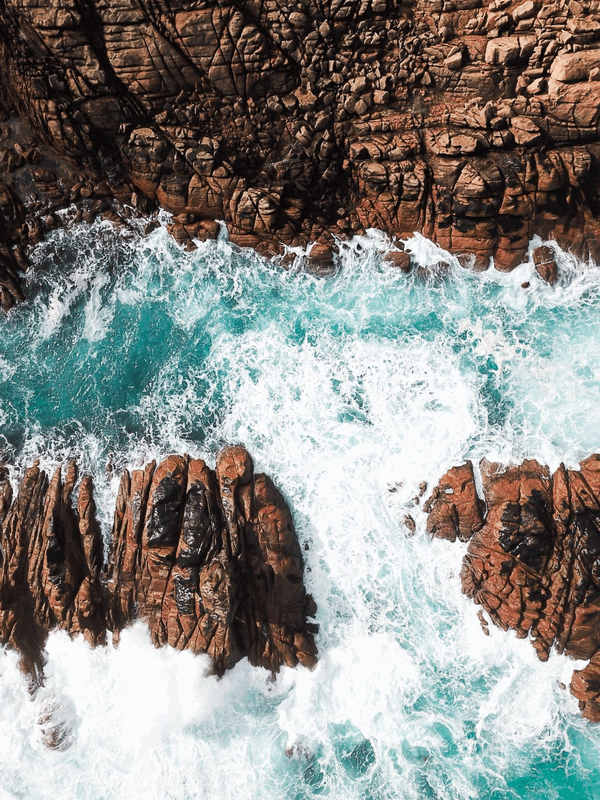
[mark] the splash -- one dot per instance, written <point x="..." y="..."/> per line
<point x="350" y="391"/>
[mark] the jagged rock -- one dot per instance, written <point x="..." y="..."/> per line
<point x="571" y="67"/>
<point x="208" y="559"/>
<point x="321" y="256"/>
<point x="46" y="580"/>
<point x="544" y="259"/>
<point x="474" y="123"/>
<point x="399" y="259"/>
<point x="534" y="564"/>
<point x="585" y="685"/>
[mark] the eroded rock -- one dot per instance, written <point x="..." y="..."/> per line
<point x="544" y="259"/>
<point x="534" y="563"/>
<point x="454" y="508"/>
<point x="475" y="124"/>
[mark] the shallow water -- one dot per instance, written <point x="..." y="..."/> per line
<point x="349" y="391"/>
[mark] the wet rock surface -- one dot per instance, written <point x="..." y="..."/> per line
<point x="475" y="122"/>
<point x="533" y="563"/>
<point x="208" y="559"/>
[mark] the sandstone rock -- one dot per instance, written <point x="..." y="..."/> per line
<point x="525" y="10"/>
<point x="508" y="51"/>
<point x="454" y="62"/>
<point x="525" y="131"/>
<point x="571" y="67"/>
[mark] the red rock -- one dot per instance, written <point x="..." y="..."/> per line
<point x="585" y="685"/>
<point x="454" y="508"/>
<point x="399" y="259"/>
<point x="320" y="257"/>
<point x="209" y="560"/>
<point x="533" y="565"/>
<point x="467" y="127"/>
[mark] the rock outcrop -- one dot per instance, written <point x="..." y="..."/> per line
<point x="209" y="560"/>
<point x="533" y="561"/>
<point x="475" y="122"/>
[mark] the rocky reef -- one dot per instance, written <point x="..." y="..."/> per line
<point x="475" y="122"/>
<point x="533" y="559"/>
<point x="209" y="559"/>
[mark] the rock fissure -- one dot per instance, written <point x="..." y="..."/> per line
<point x="475" y="126"/>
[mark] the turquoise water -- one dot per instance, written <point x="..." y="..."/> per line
<point x="350" y="391"/>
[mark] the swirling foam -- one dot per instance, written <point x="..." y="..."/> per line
<point x="350" y="392"/>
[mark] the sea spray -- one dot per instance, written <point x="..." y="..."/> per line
<point x="350" y="391"/>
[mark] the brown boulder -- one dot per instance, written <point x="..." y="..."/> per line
<point x="546" y="267"/>
<point x="585" y="685"/>
<point x="454" y="508"/>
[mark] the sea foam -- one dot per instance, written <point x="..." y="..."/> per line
<point x="351" y="392"/>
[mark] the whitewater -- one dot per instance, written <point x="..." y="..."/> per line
<point x="350" y="391"/>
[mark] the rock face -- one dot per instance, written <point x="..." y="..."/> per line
<point x="210" y="561"/>
<point x="474" y="122"/>
<point x="533" y="562"/>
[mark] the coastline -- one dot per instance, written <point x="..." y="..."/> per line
<point x="465" y="128"/>
<point x="472" y="123"/>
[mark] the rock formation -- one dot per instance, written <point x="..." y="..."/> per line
<point x="209" y="560"/>
<point x="472" y="121"/>
<point x="533" y="560"/>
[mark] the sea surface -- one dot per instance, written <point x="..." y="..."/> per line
<point x="350" y="391"/>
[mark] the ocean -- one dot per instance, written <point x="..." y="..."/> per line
<point x="350" y="391"/>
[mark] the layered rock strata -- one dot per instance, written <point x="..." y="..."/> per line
<point x="475" y="122"/>
<point x="533" y="559"/>
<point x="208" y="559"/>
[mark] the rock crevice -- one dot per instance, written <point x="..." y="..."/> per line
<point x="475" y="122"/>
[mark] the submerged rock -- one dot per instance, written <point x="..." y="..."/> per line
<point x="209" y="559"/>
<point x="533" y="564"/>
<point x="55" y="724"/>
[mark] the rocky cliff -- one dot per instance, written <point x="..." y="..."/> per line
<point x="533" y="560"/>
<point x="208" y="559"/>
<point x="474" y="122"/>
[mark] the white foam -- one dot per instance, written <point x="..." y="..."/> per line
<point x="342" y="389"/>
